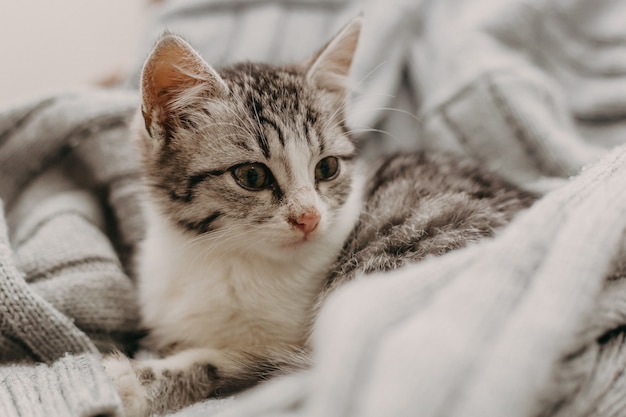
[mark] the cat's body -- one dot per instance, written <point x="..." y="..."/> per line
<point x="254" y="196"/>
<point x="421" y="204"/>
<point x="204" y="295"/>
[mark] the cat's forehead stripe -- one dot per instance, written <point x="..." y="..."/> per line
<point x="276" y="104"/>
<point x="264" y="120"/>
<point x="307" y="132"/>
<point x="255" y="109"/>
<point x="263" y="144"/>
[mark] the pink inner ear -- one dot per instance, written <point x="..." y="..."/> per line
<point x="178" y="68"/>
<point x="164" y="72"/>
<point x="172" y="68"/>
<point x="166" y="76"/>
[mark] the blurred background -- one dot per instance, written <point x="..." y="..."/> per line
<point x="49" y="46"/>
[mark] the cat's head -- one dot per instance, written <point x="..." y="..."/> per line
<point x="254" y="154"/>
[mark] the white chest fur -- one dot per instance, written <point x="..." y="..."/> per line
<point x="196" y="296"/>
<point x="194" y="293"/>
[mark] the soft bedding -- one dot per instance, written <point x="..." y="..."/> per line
<point x="530" y="323"/>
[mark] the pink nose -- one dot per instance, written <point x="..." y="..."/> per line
<point x="307" y="222"/>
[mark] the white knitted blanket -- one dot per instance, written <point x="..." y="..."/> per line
<point x="530" y="323"/>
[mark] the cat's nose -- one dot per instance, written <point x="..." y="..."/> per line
<point x="307" y="222"/>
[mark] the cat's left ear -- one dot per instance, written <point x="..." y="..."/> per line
<point x="329" y="68"/>
<point x="173" y="75"/>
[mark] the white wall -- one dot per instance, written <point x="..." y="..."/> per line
<point x="55" y="44"/>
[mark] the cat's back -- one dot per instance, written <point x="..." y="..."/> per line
<point x="419" y="204"/>
<point x="418" y="178"/>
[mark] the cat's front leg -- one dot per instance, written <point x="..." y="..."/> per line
<point x="161" y="385"/>
<point x="128" y="385"/>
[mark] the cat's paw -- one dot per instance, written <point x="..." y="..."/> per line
<point x="128" y="385"/>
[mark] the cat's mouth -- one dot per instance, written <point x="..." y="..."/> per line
<point x="300" y="241"/>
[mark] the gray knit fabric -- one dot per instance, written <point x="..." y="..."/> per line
<point x="29" y="318"/>
<point x="69" y="186"/>
<point x="530" y="323"/>
<point x="74" y="385"/>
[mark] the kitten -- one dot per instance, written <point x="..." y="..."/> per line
<point x="254" y="195"/>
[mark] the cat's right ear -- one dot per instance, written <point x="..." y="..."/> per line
<point x="329" y="68"/>
<point x="173" y="76"/>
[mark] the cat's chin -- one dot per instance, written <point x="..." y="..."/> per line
<point x="297" y="244"/>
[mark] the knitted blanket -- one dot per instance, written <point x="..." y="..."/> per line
<point x="530" y="323"/>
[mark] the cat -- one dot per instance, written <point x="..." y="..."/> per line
<point x="254" y="194"/>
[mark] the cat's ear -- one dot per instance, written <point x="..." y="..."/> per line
<point x="172" y="74"/>
<point x="329" y="68"/>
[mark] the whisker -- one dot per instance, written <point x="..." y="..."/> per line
<point x="401" y="111"/>
<point x="243" y="125"/>
<point x="373" y="130"/>
<point x="373" y="70"/>
<point x="354" y="90"/>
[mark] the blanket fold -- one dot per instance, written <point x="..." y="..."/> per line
<point x="530" y="323"/>
<point x="69" y="181"/>
<point x="28" y="318"/>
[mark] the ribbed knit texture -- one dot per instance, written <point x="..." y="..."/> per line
<point x="69" y="184"/>
<point x="27" y="317"/>
<point x="72" y="386"/>
<point x="528" y="324"/>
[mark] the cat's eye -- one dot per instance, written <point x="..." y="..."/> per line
<point x="327" y="169"/>
<point x="254" y="176"/>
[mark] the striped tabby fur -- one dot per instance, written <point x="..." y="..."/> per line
<point x="253" y="192"/>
